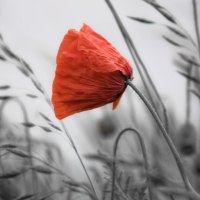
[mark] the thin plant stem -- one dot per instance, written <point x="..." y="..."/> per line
<point x="80" y="159"/>
<point x="136" y="57"/>
<point x="196" y="23"/>
<point x="188" y="96"/>
<point x="144" y="153"/>
<point x="1" y="155"/>
<point x="171" y="145"/>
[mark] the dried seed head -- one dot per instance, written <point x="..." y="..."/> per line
<point x="187" y="139"/>
<point x="107" y="126"/>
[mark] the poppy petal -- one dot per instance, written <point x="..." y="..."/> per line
<point x="90" y="73"/>
<point x="99" y="52"/>
<point x="116" y="103"/>
<point x="72" y="96"/>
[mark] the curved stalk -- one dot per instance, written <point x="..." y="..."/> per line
<point x="196" y="23"/>
<point x="171" y="145"/>
<point x="144" y="153"/>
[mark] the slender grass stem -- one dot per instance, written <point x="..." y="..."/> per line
<point x="188" y="97"/>
<point x="74" y="147"/>
<point x="196" y="23"/>
<point x="171" y="145"/>
<point x="80" y="159"/>
<point x="144" y="153"/>
<point x="137" y="59"/>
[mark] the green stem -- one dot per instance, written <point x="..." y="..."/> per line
<point x="144" y="153"/>
<point x="168" y="140"/>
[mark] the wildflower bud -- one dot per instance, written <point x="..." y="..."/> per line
<point x="107" y="126"/>
<point x="187" y="139"/>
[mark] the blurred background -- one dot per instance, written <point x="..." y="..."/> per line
<point x="38" y="160"/>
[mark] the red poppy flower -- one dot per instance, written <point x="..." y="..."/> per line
<point x="90" y="73"/>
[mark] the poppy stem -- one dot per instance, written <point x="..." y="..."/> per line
<point x="171" y="145"/>
<point x="144" y="152"/>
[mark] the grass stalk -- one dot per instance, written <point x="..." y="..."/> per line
<point x="188" y="97"/>
<point x="144" y="153"/>
<point x="80" y="159"/>
<point x="196" y="23"/>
